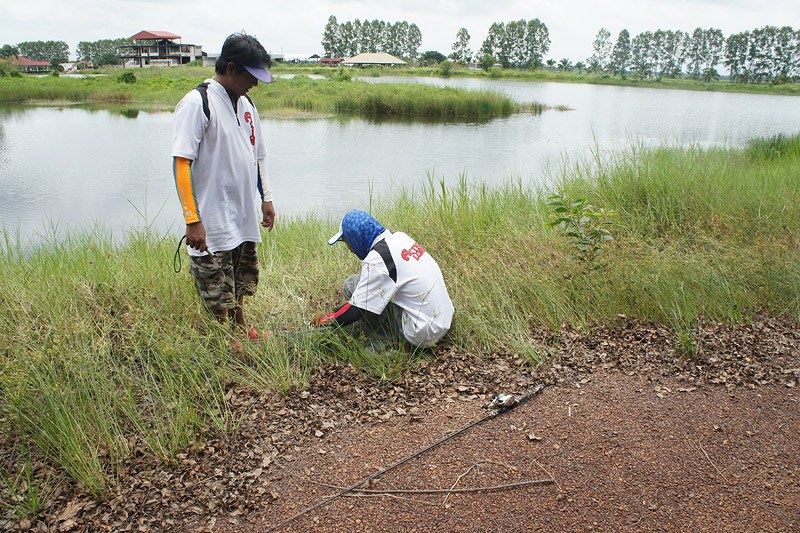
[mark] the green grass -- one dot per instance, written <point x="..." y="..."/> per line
<point x="103" y="349"/>
<point x="165" y="87"/>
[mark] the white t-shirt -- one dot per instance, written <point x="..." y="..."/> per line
<point x="225" y="151"/>
<point x="399" y="270"/>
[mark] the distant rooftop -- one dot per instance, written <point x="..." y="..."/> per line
<point x="152" y="34"/>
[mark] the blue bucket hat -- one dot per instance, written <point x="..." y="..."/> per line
<point x="359" y="230"/>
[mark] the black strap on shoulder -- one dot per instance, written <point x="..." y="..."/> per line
<point x="250" y="100"/>
<point x="203" y="90"/>
<point x="383" y="250"/>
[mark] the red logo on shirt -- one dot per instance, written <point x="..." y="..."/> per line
<point x="249" y="119"/>
<point x="415" y="251"/>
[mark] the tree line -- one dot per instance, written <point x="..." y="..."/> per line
<point x="348" y="39"/>
<point x="520" y="44"/>
<point x="768" y="54"/>
<point x="101" y="52"/>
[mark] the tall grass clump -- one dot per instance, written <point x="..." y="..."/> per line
<point x="775" y="147"/>
<point x="423" y="100"/>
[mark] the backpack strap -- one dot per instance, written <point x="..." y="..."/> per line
<point x="383" y="250"/>
<point x="203" y="90"/>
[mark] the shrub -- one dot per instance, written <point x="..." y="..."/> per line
<point x="446" y="69"/>
<point x="584" y="225"/>
<point x="127" y="77"/>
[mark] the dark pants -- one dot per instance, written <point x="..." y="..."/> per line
<point x="383" y="329"/>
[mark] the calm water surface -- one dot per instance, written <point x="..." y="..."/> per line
<point x="63" y="168"/>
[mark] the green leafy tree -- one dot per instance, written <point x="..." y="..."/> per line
<point x="672" y="52"/>
<point x="580" y="66"/>
<point x="346" y="46"/>
<point x="446" y="68"/>
<point x="399" y="38"/>
<point x="601" y="56"/>
<point x="431" y="57"/>
<point x="53" y="51"/>
<point x="642" y="54"/>
<point x="519" y="43"/>
<point x="354" y="37"/>
<point x="102" y="52"/>
<point x="704" y="49"/>
<point x="621" y="54"/>
<point x="8" y="50"/>
<point x="565" y="64"/>
<point x="461" y="52"/>
<point x="785" y="54"/>
<point x="715" y="43"/>
<point x="374" y="40"/>
<point x="492" y="41"/>
<point x="358" y="37"/>
<point x="487" y="61"/>
<point x="413" y="40"/>
<point x="331" y="38"/>
<point x="736" y="47"/>
<point x="536" y="43"/>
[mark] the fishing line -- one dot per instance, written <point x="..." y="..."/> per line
<point x="501" y="403"/>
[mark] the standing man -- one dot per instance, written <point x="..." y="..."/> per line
<point x="218" y="150"/>
<point x="400" y="293"/>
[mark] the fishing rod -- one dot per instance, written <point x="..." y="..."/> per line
<point x="499" y="404"/>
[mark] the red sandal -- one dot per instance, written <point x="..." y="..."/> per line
<point x="254" y="335"/>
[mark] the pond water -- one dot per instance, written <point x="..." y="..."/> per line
<point x="65" y="168"/>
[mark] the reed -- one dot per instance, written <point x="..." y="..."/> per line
<point x="103" y="349"/>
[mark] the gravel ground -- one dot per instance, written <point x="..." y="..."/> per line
<point x="626" y="436"/>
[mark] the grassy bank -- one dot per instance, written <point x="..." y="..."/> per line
<point x="105" y="352"/>
<point x="165" y="87"/>
<point x="558" y="76"/>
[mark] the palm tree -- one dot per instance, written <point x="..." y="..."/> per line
<point x="551" y="63"/>
<point x="565" y="64"/>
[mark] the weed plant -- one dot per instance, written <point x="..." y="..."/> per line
<point x="104" y="350"/>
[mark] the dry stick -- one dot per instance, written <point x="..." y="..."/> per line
<point x="549" y="474"/>
<point x="396" y="497"/>
<point x="493" y="413"/>
<point x="444" y="502"/>
<point x="490" y="488"/>
<point x="712" y="463"/>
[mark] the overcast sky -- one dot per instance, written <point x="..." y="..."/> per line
<point x="295" y="26"/>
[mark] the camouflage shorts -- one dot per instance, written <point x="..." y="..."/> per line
<point x="223" y="278"/>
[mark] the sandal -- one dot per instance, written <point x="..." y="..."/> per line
<point x="254" y="335"/>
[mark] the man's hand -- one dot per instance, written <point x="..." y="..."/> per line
<point x="196" y="236"/>
<point x="268" y="211"/>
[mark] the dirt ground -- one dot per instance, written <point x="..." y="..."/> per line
<point x="627" y="435"/>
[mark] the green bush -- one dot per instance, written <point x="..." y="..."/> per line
<point x="127" y="77"/>
<point x="446" y="69"/>
<point x="8" y="69"/>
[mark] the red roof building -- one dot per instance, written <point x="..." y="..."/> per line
<point x="152" y="48"/>
<point x="155" y="35"/>
<point x="330" y="61"/>
<point x="28" y="65"/>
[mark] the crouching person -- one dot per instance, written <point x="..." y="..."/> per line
<point x="400" y="293"/>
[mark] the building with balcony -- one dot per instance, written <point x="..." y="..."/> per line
<point x="158" y="49"/>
